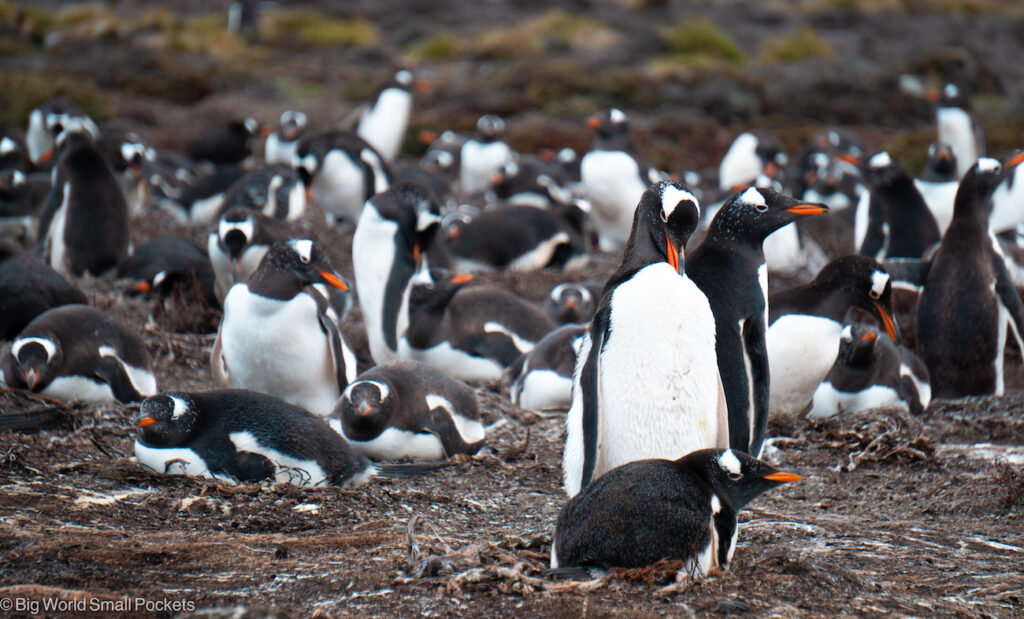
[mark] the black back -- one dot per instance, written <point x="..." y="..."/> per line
<point x="500" y="235"/>
<point x="896" y="203"/>
<point x="224" y="145"/>
<point x="28" y="288"/>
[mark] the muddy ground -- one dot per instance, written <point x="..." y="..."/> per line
<point x="898" y="515"/>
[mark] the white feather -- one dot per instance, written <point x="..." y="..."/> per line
<point x="801" y="351"/>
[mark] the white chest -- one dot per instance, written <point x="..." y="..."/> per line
<point x="611" y="182"/>
<point x="373" y="254"/>
<point x="801" y="351"/>
<point x="338" y="186"/>
<point x="383" y="125"/>
<point x="479" y="161"/>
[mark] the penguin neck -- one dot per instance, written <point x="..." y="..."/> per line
<point x="642" y="250"/>
<point x="275" y="284"/>
<point x="970" y="211"/>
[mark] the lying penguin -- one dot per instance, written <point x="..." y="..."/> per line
<point x="872" y="372"/>
<point x="541" y="379"/>
<point x="407" y="409"/>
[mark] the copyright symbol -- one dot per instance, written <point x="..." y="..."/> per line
<point x="6" y="603"/>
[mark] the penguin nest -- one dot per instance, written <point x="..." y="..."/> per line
<point x="876" y="435"/>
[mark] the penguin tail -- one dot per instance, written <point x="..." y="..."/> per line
<point x="30" y="420"/>
<point x="393" y="471"/>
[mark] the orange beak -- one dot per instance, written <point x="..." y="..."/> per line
<point x="593" y="122"/>
<point x="416" y="253"/>
<point x="807" y="209"/>
<point x="461" y="278"/>
<point x="888" y="323"/>
<point x="427" y="137"/>
<point x="365" y="409"/>
<point x="770" y="169"/>
<point x="783" y="476"/>
<point x="266" y="130"/>
<point x="309" y="194"/>
<point x="673" y="255"/>
<point x="869" y="336"/>
<point x="546" y="154"/>
<point x="31" y="379"/>
<point x="143" y="287"/>
<point x="849" y="159"/>
<point x="146" y="421"/>
<point x="932" y="94"/>
<point x="48" y="155"/>
<point x="497" y="178"/>
<point x="421" y="86"/>
<point x="1015" y="160"/>
<point x="571" y="303"/>
<point x="333" y="280"/>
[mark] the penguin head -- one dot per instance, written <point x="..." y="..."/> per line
<point x="754" y="213"/>
<point x="432" y="289"/>
<point x="857" y="344"/>
<point x="75" y="133"/>
<point x="609" y="123"/>
<point x="941" y="161"/>
<point x="167" y="419"/>
<point x="365" y="407"/>
<point x="292" y="124"/>
<point x="235" y="230"/>
<point x="861" y="282"/>
<point x="301" y="260"/>
<point x="416" y="211"/>
<point x="491" y="127"/>
<point x="735" y="477"/>
<point x="665" y="218"/>
<point x="976" y="187"/>
<point x="571" y="302"/>
<point x="950" y="95"/>
<point x="36" y="361"/>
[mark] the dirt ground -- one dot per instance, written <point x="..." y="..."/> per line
<point x="898" y="515"/>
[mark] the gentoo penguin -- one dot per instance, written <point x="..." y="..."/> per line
<point x="280" y="336"/>
<point x="530" y="181"/>
<point x="84" y="225"/>
<point x="805" y="324"/>
<point x="236" y="435"/>
<point x="748" y="157"/>
<point x="968" y="297"/>
<point x="938" y="184"/>
<point x="952" y="113"/>
<point x="383" y="120"/>
<point x="203" y="198"/>
<point x="871" y="372"/>
<point x="406" y="409"/>
<point x="281" y="143"/>
<point x="573" y="302"/>
<point x="646" y="383"/>
<point x="898" y="222"/>
<point x="341" y="171"/>
<point x="274" y="190"/>
<point x="79" y="353"/>
<point x="474" y="333"/>
<point x="19" y="203"/>
<point x="518" y="238"/>
<point x="167" y="256"/>
<point x="239" y="244"/>
<point x="614" y="174"/>
<point x="28" y="288"/>
<point x="649" y="510"/>
<point x="729" y="267"/>
<point x="228" y="144"/>
<point x="443" y="155"/>
<point x="541" y="379"/>
<point x="48" y="121"/>
<point x="483" y="154"/>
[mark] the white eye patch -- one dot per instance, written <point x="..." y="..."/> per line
<point x="304" y="248"/>
<point x="878" y="283"/>
<point x="881" y="160"/>
<point x="47" y="345"/>
<point x="729" y="462"/>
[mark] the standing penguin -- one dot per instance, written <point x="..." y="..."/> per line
<point x="953" y="115"/>
<point x="228" y="144"/>
<point x="614" y="175"/>
<point x="281" y="143"/>
<point x="239" y="244"/>
<point x="79" y="353"/>
<point x="729" y="267"/>
<point x="871" y="372"/>
<point x="805" y="324"/>
<point x="48" y="121"/>
<point x="407" y="409"/>
<point x="646" y="383"/>
<point x="280" y="336"/>
<point x="968" y="298"/>
<point x="84" y="226"/>
<point x="938" y="184"/>
<point x="895" y="221"/>
<point x="383" y="120"/>
<point x="1008" y="198"/>
<point x="341" y="171"/>
<point x="483" y="154"/>
<point x="749" y="157"/>
<point x="649" y="510"/>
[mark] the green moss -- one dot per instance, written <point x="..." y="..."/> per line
<point x="24" y="91"/>
<point x="699" y="41"/>
<point x="311" y="28"/>
<point x="801" y="44"/>
<point x="38" y="21"/>
<point x="438" y="47"/>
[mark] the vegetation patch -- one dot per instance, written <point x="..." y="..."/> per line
<point x="701" y="42"/>
<point x="24" y="91"/>
<point x="308" y="28"/>
<point x="801" y="44"/>
<point x="438" y="47"/>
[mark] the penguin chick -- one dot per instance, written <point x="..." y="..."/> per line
<point x="871" y="372"/>
<point x="279" y="335"/>
<point x="407" y="409"/>
<point x="79" y="353"/>
<point x="648" y="510"/>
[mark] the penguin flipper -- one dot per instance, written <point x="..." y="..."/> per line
<point x="249" y="466"/>
<point x="908" y="271"/>
<point x="590" y="380"/>
<point x="330" y="328"/>
<point x="496" y="346"/>
<point x="110" y="371"/>
<point x="722" y="415"/>
<point x="1009" y="298"/>
<point x="754" y="341"/>
<point x="906" y="390"/>
<point x="54" y="198"/>
<point x="221" y="375"/>
<point x="439" y="422"/>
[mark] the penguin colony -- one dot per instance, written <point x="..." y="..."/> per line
<point x="668" y="371"/>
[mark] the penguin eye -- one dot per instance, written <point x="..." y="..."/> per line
<point x="664" y="217"/>
<point x="874" y="294"/>
<point x="760" y="208"/>
<point x="735" y="476"/>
